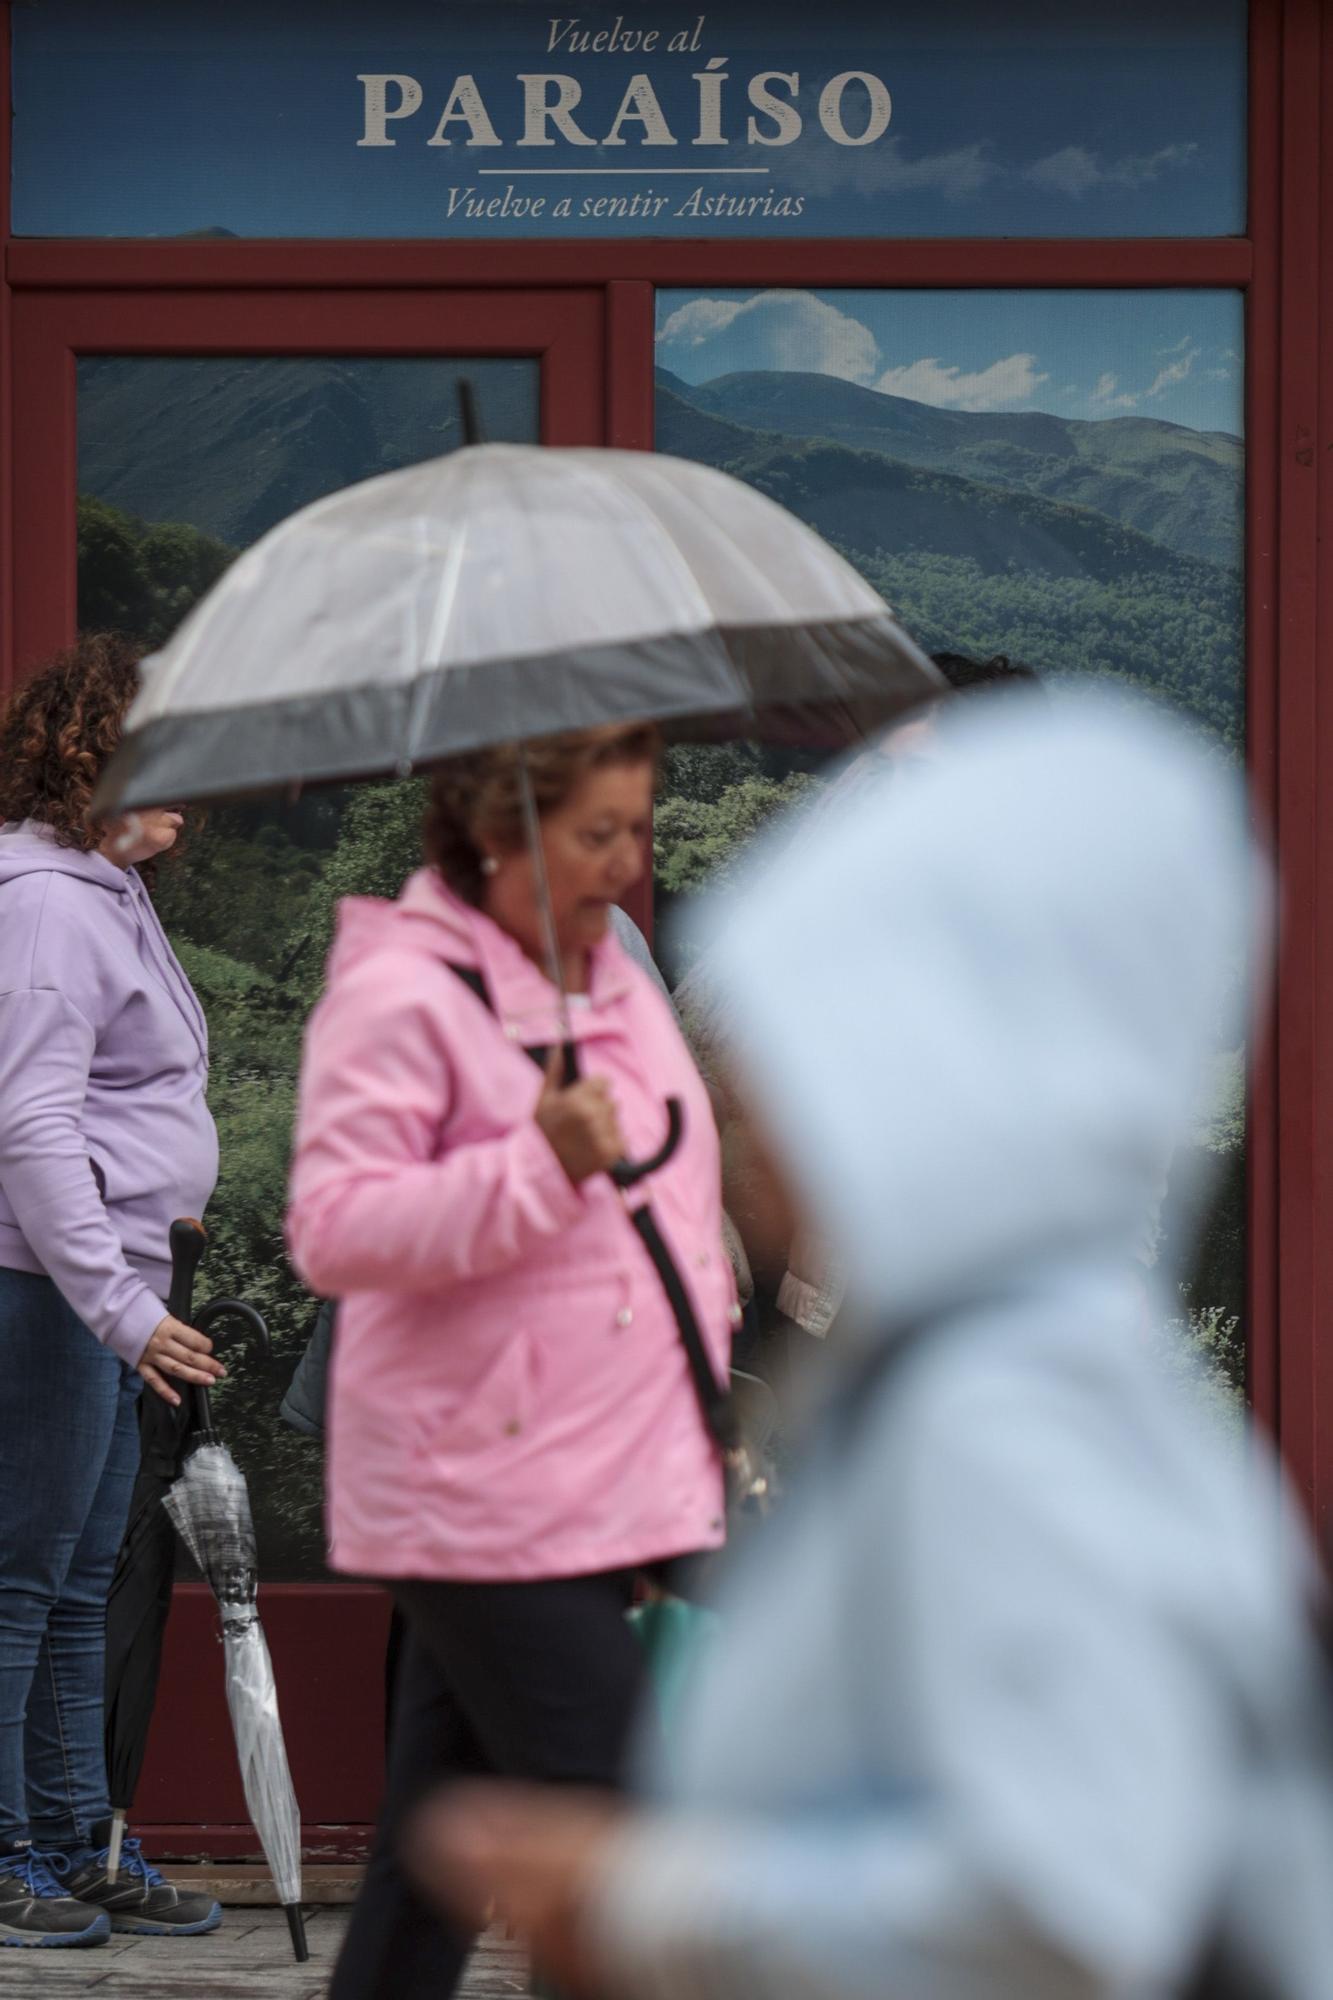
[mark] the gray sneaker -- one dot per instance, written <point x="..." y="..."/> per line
<point x="36" y="1910"/>
<point x="140" y="1900"/>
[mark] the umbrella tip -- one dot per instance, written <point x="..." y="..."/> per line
<point x="115" y="1844"/>
<point x="296" y="1925"/>
<point x="468" y="414"/>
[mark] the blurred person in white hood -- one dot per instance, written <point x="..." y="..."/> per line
<point x="1019" y="1698"/>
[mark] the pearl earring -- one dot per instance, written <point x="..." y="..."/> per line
<point x="489" y="865"/>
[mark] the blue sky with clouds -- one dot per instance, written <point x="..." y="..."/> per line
<point x="1043" y="117"/>
<point x="1174" y="355"/>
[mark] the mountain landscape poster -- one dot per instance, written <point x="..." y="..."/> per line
<point x="1054" y="476"/>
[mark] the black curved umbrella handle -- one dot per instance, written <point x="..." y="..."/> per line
<point x="207" y="1317"/>
<point x="219" y="1309"/>
<point x="626" y="1172"/>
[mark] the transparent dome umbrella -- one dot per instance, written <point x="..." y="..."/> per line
<point x="505" y="592"/>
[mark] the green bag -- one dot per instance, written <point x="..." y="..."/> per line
<point x="672" y="1634"/>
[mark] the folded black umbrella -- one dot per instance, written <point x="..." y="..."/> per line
<point x="141" y="1588"/>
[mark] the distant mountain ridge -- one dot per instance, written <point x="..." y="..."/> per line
<point x="1181" y="487"/>
<point x="871" y="503"/>
<point x="233" y="444"/>
<point x="988" y="533"/>
<point x="975" y="565"/>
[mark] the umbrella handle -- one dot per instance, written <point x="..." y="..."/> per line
<point x="189" y="1240"/>
<point x="219" y="1309"/>
<point x="206" y="1317"/>
<point x="626" y="1172"/>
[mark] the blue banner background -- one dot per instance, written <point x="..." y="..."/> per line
<point x="238" y="118"/>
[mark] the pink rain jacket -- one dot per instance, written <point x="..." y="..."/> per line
<point x="509" y="1394"/>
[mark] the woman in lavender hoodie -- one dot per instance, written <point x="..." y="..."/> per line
<point x="105" y="1136"/>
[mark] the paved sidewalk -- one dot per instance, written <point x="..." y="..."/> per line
<point x="250" y="1958"/>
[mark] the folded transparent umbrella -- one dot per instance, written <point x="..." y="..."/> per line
<point x="189" y="1481"/>
<point x="210" y="1506"/>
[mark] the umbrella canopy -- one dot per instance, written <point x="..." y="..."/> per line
<point x="210" y="1506"/>
<point x="510" y="591"/>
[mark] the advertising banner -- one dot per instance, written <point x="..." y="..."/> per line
<point x="452" y="119"/>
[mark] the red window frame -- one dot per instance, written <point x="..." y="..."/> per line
<point x="233" y="296"/>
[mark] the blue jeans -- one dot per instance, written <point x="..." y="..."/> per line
<point x="69" y="1452"/>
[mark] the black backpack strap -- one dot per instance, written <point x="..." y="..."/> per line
<point x="475" y="982"/>
<point x="472" y="978"/>
<point x="715" y="1399"/>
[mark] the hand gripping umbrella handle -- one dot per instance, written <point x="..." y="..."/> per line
<point x="206" y="1318"/>
<point x="216" y="1309"/>
<point x="626" y="1172"/>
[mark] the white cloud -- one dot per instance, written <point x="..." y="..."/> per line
<point x="1072" y="171"/>
<point x="818" y="168"/>
<point x="962" y="171"/>
<point x="1180" y="346"/>
<point x="1108" y="396"/>
<point x="1075" y="171"/>
<point x="1004" y="385"/>
<point x="1176" y="371"/>
<point x="698" y="322"/>
<point x="772" y="329"/>
<point x="707" y="337"/>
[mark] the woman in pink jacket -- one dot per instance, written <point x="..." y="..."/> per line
<point x="514" y="1431"/>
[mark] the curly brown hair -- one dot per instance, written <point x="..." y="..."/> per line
<point x="476" y="800"/>
<point x="57" y="732"/>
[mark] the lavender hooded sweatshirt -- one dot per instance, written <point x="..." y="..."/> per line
<point x="105" y="1134"/>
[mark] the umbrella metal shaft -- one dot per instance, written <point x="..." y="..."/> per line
<point x="550" y="938"/>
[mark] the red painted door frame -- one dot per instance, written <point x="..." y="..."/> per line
<point x="50" y="329"/>
<point x="401" y="297"/>
<point x="327" y="1639"/>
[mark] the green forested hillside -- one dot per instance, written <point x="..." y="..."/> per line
<point x="1173" y="637"/>
<point x="971" y="567"/>
<point x="141" y="577"/>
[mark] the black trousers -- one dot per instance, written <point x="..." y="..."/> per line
<point x="520" y="1680"/>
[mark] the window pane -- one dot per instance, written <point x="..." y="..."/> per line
<point x="1054" y="476"/>
<point x="181" y="464"/>
<point x="926" y="118"/>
